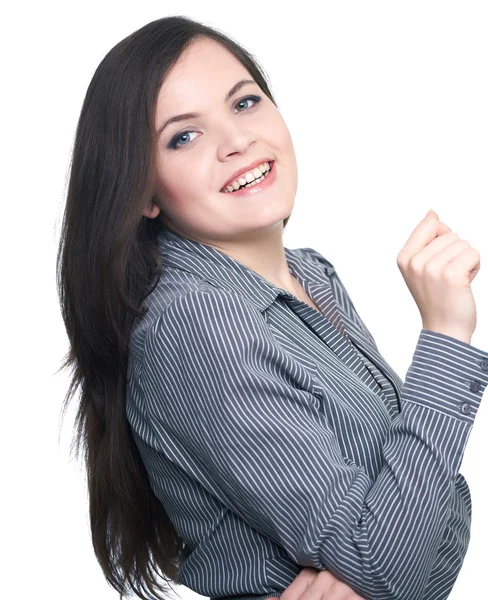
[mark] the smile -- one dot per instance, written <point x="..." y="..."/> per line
<point x="261" y="183"/>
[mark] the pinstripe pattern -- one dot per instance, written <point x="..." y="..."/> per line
<point x="275" y="442"/>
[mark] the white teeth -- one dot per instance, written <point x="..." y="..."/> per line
<point x="227" y="191"/>
<point x="250" y="176"/>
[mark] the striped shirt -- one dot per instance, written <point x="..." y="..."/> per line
<point x="277" y="437"/>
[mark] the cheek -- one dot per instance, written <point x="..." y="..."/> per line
<point x="179" y="193"/>
<point x="186" y="174"/>
<point x="176" y="183"/>
<point x="285" y="137"/>
<point x="280" y="138"/>
<point x="170" y="193"/>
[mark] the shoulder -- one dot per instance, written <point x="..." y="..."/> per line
<point x="211" y="304"/>
<point x="210" y="321"/>
<point x="167" y="296"/>
<point x="217" y="340"/>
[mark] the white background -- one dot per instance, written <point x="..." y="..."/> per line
<point x="387" y="106"/>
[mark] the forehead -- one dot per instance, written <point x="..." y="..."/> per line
<point x="205" y="69"/>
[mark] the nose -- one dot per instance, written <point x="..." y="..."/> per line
<point x="235" y="139"/>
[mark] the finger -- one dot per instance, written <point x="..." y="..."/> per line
<point x="320" y="586"/>
<point x="467" y="264"/>
<point x="443" y="228"/>
<point x="426" y="231"/>
<point x="332" y="590"/>
<point x="406" y="254"/>
<point x="325" y="586"/>
<point x="439" y="251"/>
<point x="299" y="584"/>
<point x="472" y="275"/>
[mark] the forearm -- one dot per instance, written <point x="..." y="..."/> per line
<point x="454" y="544"/>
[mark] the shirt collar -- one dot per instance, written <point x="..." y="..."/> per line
<point x="220" y="270"/>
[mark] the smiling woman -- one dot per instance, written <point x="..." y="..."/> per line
<point x="237" y="419"/>
<point x="134" y="172"/>
<point x="225" y="138"/>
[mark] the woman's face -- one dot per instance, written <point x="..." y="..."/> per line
<point x="197" y="156"/>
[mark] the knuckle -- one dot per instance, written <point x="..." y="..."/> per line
<point x="416" y="263"/>
<point x="449" y="273"/>
<point x="431" y="270"/>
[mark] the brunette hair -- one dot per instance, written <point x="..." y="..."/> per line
<point x="107" y="264"/>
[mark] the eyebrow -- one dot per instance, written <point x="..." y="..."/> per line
<point x="233" y="90"/>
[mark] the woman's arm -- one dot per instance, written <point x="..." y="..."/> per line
<point x="312" y="584"/>
<point x="454" y="544"/>
<point x="456" y="534"/>
<point x="226" y="403"/>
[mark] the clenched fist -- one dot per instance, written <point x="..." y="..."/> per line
<point x="438" y="269"/>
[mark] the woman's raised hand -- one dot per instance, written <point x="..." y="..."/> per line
<point x="312" y="584"/>
<point x="438" y="269"/>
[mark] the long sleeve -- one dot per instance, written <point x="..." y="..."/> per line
<point x="229" y="406"/>
<point x="454" y="544"/>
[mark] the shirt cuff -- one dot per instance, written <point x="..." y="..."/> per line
<point x="446" y="375"/>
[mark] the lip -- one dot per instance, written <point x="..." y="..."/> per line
<point x="245" y="169"/>
<point x="258" y="187"/>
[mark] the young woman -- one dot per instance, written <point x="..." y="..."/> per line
<point x="238" y="421"/>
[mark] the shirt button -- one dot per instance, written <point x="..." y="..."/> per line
<point x="465" y="408"/>
<point x="474" y="386"/>
<point x="484" y="364"/>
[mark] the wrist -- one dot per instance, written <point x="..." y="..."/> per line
<point x="457" y="334"/>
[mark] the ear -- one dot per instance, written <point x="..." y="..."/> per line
<point x="152" y="211"/>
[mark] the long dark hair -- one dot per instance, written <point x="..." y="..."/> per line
<point x="107" y="264"/>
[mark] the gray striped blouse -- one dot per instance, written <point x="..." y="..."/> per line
<point x="279" y="438"/>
